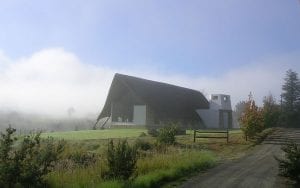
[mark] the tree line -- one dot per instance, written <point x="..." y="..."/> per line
<point x="286" y="113"/>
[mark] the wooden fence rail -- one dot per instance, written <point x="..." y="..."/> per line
<point x="224" y="132"/>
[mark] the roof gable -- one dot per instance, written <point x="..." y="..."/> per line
<point x="162" y="98"/>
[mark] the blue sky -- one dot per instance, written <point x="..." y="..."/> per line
<point x="194" y="37"/>
<point x="175" y="41"/>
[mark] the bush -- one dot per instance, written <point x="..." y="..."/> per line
<point x="26" y="164"/>
<point x="290" y="166"/>
<point x="142" y="145"/>
<point x="167" y="135"/>
<point x="121" y="160"/>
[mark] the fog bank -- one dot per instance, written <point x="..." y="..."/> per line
<point x="53" y="81"/>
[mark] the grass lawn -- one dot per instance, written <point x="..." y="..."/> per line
<point x="109" y="133"/>
<point x="96" y="134"/>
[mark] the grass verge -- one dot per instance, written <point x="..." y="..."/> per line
<point x="173" y="168"/>
<point x="152" y="171"/>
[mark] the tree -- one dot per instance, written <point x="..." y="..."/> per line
<point x="291" y="98"/>
<point x="252" y="121"/>
<point x="291" y="92"/>
<point x="271" y="111"/>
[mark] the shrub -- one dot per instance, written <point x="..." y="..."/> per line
<point x="290" y="166"/>
<point x="121" y="160"/>
<point x="26" y="164"/>
<point x="167" y="135"/>
<point x="142" y="145"/>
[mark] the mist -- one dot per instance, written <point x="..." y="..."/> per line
<point x="52" y="81"/>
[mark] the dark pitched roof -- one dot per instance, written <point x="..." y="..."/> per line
<point x="165" y="100"/>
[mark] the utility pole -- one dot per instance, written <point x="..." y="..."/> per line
<point x="280" y="102"/>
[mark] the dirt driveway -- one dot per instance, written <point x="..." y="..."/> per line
<point x="257" y="169"/>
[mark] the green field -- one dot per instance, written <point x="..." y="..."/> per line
<point x="96" y="134"/>
<point x="106" y="134"/>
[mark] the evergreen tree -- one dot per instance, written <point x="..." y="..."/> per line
<point x="271" y="111"/>
<point x="291" y="99"/>
<point x="291" y="92"/>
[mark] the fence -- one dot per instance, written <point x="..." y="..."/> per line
<point x="224" y="132"/>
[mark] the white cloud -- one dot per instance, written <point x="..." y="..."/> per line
<point x="52" y="80"/>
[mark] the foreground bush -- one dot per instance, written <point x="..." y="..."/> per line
<point x="121" y="160"/>
<point x="290" y="166"/>
<point x="28" y="162"/>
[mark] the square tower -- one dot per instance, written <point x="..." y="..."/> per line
<point x="219" y="114"/>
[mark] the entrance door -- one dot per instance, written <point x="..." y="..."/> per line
<point x="139" y="114"/>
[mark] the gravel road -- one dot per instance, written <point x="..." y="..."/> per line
<point x="257" y="169"/>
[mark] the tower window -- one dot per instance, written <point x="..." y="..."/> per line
<point x="214" y="97"/>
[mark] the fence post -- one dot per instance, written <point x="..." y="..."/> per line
<point x="194" y="135"/>
<point x="227" y="135"/>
